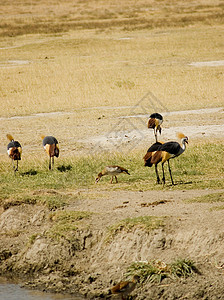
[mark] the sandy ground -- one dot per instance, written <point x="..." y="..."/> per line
<point x="110" y="128"/>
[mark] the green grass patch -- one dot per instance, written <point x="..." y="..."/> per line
<point x="198" y="167"/>
<point x="50" y="198"/>
<point x="32" y="238"/>
<point x="6" y="204"/>
<point x="147" y="223"/>
<point x="155" y="270"/>
<point x="65" y="223"/>
<point x="210" y="198"/>
<point x="54" y="201"/>
<point x="217" y="208"/>
<point x="183" y="268"/>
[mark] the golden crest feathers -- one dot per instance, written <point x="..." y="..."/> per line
<point x="42" y="136"/>
<point x="180" y="135"/>
<point x="9" y="137"/>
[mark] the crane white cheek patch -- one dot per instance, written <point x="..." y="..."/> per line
<point x="46" y="147"/>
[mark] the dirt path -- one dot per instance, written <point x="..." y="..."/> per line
<point x="112" y="128"/>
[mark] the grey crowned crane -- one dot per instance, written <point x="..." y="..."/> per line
<point x="112" y="171"/>
<point x="147" y="158"/>
<point x="51" y="146"/>
<point x="14" y="150"/>
<point x="154" y="122"/>
<point x="167" y="151"/>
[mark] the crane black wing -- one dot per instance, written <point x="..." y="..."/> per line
<point x="170" y="147"/>
<point x="50" y="140"/>
<point x="13" y="144"/>
<point x="156" y="116"/>
<point x="154" y="147"/>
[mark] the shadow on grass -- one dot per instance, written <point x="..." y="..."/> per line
<point x="64" y="168"/>
<point x="178" y="183"/>
<point x="30" y="172"/>
<point x="182" y="182"/>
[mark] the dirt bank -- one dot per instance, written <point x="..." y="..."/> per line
<point x="84" y="260"/>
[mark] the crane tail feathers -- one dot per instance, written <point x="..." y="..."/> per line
<point x="147" y="159"/>
<point x="156" y="158"/>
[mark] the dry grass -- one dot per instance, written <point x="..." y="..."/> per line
<point x="75" y="71"/>
<point x="111" y="56"/>
<point x="91" y="67"/>
<point x="19" y="17"/>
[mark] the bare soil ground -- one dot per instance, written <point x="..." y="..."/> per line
<point x="88" y="265"/>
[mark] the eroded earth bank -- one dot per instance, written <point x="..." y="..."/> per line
<point x="85" y="247"/>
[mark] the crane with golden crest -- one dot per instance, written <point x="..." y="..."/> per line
<point x="51" y="146"/>
<point x="154" y="122"/>
<point x="14" y="150"/>
<point x="165" y="152"/>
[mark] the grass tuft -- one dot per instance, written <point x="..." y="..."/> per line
<point x="32" y="238"/>
<point x="156" y="270"/>
<point x="217" y="208"/>
<point x="210" y="198"/>
<point x="53" y="202"/>
<point x="183" y="268"/>
<point x="147" y="223"/>
<point x="65" y="223"/>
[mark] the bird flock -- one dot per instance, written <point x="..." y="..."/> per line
<point x="50" y="145"/>
<point x="156" y="153"/>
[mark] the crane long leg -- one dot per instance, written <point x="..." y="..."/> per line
<point x="163" y="179"/>
<point x="170" y="173"/>
<point x="17" y="166"/>
<point x="50" y="163"/>
<point x="112" y="179"/>
<point x="157" y="174"/>
<point x="13" y="165"/>
<point x="116" y="179"/>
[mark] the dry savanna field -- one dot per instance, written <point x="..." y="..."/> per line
<point x="90" y="73"/>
